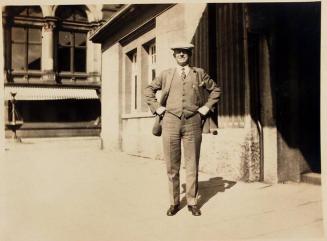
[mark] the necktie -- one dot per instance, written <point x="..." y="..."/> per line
<point x="183" y="75"/>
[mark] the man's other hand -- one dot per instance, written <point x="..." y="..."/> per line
<point x="160" y="110"/>
<point x="203" y="110"/>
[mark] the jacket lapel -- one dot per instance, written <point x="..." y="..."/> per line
<point x="169" y="79"/>
<point x="165" y="92"/>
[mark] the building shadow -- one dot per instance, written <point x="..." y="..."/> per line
<point x="208" y="189"/>
<point x="281" y="53"/>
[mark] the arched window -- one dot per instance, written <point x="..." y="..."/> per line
<point x="71" y="39"/>
<point x="72" y="13"/>
<point x="27" y="11"/>
<point x="24" y="30"/>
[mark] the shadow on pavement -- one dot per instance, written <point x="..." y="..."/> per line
<point x="208" y="189"/>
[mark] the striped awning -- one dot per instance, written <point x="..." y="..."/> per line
<point x="49" y="93"/>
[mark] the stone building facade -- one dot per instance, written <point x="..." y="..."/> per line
<point x="260" y="56"/>
<point x="53" y="68"/>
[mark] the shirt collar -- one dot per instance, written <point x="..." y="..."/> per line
<point x="186" y="69"/>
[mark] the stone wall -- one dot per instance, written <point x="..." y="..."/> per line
<point x="232" y="154"/>
<point x="225" y="154"/>
<point x="137" y="138"/>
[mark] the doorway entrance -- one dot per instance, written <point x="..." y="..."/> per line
<point x="284" y="68"/>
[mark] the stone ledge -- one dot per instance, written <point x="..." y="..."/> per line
<point x="311" y="178"/>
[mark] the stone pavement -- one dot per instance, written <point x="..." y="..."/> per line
<point x="66" y="189"/>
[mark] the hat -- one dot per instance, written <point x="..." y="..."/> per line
<point x="182" y="45"/>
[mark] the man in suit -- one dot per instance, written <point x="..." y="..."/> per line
<point x="183" y="106"/>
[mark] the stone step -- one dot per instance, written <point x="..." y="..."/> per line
<point x="312" y="178"/>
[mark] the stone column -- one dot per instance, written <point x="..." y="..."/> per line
<point x="93" y="64"/>
<point x="111" y="98"/>
<point x="47" y="50"/>
<point x="270" y="132"/>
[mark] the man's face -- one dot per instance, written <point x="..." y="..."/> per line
<point x="182" y="56"/>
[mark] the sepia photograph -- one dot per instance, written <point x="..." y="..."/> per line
<point x="162" y="121"/>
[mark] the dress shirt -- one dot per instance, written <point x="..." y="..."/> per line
<point x="186" y="69"/>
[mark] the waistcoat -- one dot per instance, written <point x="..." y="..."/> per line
<point x="182" y="98"/>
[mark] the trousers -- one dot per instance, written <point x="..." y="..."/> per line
<point x="176" y="131"/>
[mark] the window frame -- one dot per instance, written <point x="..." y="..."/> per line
<point x="152" y="49"/>
<point x="134" y="82"/>
<point x="138" y="45"/>
<point x="26" y="43"/>
<point x="25" y="22"/>
<point x="72" y="48"/>
<point x="71" y="26"/>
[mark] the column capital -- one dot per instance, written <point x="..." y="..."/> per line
<point x="49" y="23"/>
<point x="47" y="47"/>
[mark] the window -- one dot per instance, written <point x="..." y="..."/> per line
<point x="25" y="48"/>
<point x="25" y="39"/>
<point x="138" y="70"/>
<point x="152" y="61"/>
<point x="71" y="52"/>
<point x="149" y="55"/>
<point x="74" y="13"/>
<point x="26" y="11"/>
<point x="132" y="80"/>
<point x="71" y="43"/>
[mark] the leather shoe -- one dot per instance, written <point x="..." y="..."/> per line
<point x="173" y="209"/>
<point x="194" y="210"/>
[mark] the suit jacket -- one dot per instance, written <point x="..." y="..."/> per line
<point x="205" y="88"/>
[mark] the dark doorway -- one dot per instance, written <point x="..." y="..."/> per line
<point x="292" y="31"/>
<point x="279" y="45"/>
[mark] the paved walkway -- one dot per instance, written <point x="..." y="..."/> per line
<point x="69" y="190"/>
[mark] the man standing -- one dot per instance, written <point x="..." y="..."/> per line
<point x="183" y="106"/>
